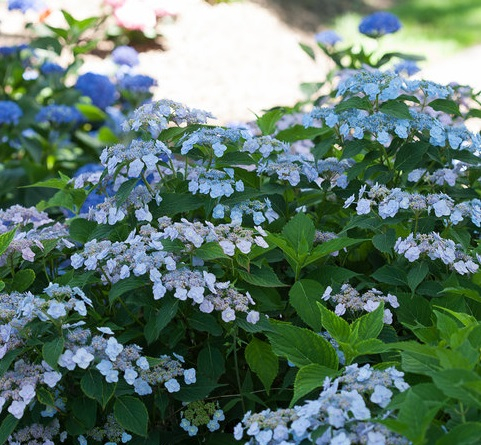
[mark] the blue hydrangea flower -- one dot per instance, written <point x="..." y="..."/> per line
<point x="379" y="23"/>
<point x="10" y="112"/>
<point x="51" y="68"/>
<point x="138" y="83"/>
<point x="328" y="37"/>
<point x="125" y="55"/>
<point x="9" y="50"/>
<point x="59" y="114"/>
<point x="407" y="67"/>
<point x="98" y="87"/>
<point x="25" y="5"/>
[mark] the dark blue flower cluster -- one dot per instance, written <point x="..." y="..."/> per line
<point x="10" y="112"/>
<point x="59" y="114"/>
<point x="25" y="5"/>
<point x="51" y="68"/>
<point x="379" y="23"/>
<point x="137" y="83"/>
<point x="125" y="55"/>
<point x="9" y="50"/>
<point x="98" y="87"/>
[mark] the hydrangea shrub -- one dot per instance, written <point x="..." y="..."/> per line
<point x="312" y="277"/>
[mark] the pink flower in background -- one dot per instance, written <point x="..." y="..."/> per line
<point x="135" y="15"/>
<point x="114" y="3"/>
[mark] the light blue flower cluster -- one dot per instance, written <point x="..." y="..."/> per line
<point x="217" y="138"/>
<point x="26" y="5"/>
<point x="10" y="112"/>
<point x="59" y="114"/>
<point x="156" y="116"/>
<point x="261" y="211"/>
<point x="111" y="433"/>
<point x="125" y="55"/>
<point x="38" y="434"/>
<point x="328" y="37"/>
<point x="433" y="246"/>
<point x="391" y="201"/>
<point x="215" y="183"/>
<point x="346" y="410"/>
<point x="265" y="145"/>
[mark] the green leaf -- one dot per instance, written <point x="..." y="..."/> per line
<point x="369" y="325"/>
<point x="81" y="229"/>
<point x="45" y="396"/>
<point x="309" y="378"/>
<point x="125" y="190"/>
<point x="384" y="242"/>
<point x="91" y="112"/>
<point x="161" y="318"/>
<point x="131" y="414"/>
<point x="409" y="156"/>
<point x="337" y="327"/>
<point x="211" y="363"/>
<point x="333" y="245"/>
<point x="52" y="350"/>
<point x="197" y="391"/>
<point x="22" y="280"/>
<point x="360" y="103"/>
<point x="175" y="203"/>
<point x="417" y="275"/>
<point x="299" y="233"/>
<point x="205" y="323"/>
<point x="84" y="410"/>
<point x="303" y="297"/>
<point x="210" y="251"/>
<point x="308" y="50"/>
<point x="445" y="105"/>
<point x="7" y="427"/>
<point x="396" y="108"/>
<point x="94" y="386"/>
<point x="264" y="277"/>
<point x="267" y="122"/>
<point x="301" y="346"/>
<point x="5" y="240"/>
<point x="262" y="361"/>
<point x="299" y="132"/>
<point x="464" y="434"/>
<point x="458" y="384"/>
<point x="121" y="287"/>
<point x="392" y="275"/>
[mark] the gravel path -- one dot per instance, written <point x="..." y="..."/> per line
<point x="238" y="59"/>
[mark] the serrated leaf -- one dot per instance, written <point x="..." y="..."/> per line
<point x="337" y="327"/>
<point x="396" y="109"/>
<point x="121" y="287"/>
<point x="94" y="386"/>
<point x="384" y="242"/>
<point x="301" y="346"/>
<point x="308" y="50"/>
<point x="52" y="350"/>
<point x="360" y="103"/>
<point x="303" y="297"/>
<point x="210" y="251"/>
<point x="125" y="190"/>
<point x="45" y="396"/>
<point x="264" y="277"/>
<point x="369" y="325"/>
<point x="5" y="240"/>
<point x="81" y="229"/>
<point x="331" y="246"/>
<point x="446" y="106"/>
<point x="464" y="434"/>
<point x="132" y="415"/>
<point x="299" y="233"/>
<point x="7" y="427"/>
<point x="203" y="322"/>
<point x="262" y="361"/>
<point x="267" y="122"/>
<point x="309" y="378"/>
<point x="390" y="275"/>
<point x="160" y="318"/>
<point x="210" y="362"/>
<point x="416" y="275"/>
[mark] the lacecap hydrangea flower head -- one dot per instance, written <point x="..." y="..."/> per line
<point x="379" y="23"/>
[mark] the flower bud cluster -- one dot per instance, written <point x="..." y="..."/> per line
<point x="350" y="299"/>
<point x="111" y="432"/>
<point x="435" y="247"/>
<point x="347" y="410"/>
<point x="265" y="146"/>
<point x="200" y="413"/>
<point x="440" y="177"/>
<point x="157" y="116"/>
<point x="38" y="434"/>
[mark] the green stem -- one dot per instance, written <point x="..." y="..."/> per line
<point x="237" y="374"/>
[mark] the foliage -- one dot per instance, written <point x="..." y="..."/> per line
<point x="310" y="278"/>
